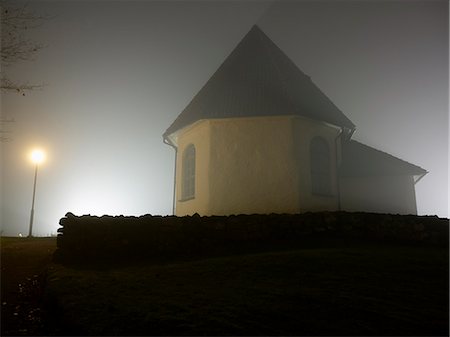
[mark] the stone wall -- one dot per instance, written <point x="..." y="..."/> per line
<point x="90" y="237"/>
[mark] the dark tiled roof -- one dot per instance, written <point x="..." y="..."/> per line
<point x="258" y="79"/>
<point x="362" y="160"/>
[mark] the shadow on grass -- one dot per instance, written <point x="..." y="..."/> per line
<point x="326" y="287"/>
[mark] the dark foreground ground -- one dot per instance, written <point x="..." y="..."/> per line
<point x="23" y="265"/>
<point x="335" y="289"/>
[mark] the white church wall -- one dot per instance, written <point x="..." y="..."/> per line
<point x="379" y="194"/>
<point x="304" y="130"/>
<point x="197" y="134"/>
<point x="255" y="165"/>
<point x="252" y="166"/>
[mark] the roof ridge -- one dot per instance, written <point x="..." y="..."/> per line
<point x="258" y="79"/>
<point x="278" y="71"/>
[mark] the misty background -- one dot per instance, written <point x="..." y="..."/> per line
<point x="119" y="72"/>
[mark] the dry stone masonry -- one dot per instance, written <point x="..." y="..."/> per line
<point x="122" y="237"/>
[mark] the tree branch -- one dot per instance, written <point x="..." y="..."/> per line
<point x="15" y="46"/>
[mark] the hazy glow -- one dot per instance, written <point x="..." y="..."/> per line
<point x="120" y="72"/>
<point x="37" y="156"/>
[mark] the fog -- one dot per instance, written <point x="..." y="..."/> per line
<point x="118" y="73"/>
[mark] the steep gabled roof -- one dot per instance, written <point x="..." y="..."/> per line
<point x="361" y="160"/>
<point x="258" y="79"/>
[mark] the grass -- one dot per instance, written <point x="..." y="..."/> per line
<point x="352" y="290"/>
<point x="23" y="264"/>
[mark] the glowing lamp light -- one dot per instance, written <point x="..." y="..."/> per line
<point x="37" y="157"/>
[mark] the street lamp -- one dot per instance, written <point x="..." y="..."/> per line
<point x="37" y="157"/>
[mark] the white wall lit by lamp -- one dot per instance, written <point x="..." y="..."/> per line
<point x="37" y="157"/>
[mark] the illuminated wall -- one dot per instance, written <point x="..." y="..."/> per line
<point x="252" y="166"/>
<point x="255" y="165"/>
<point x="197" y="134"/>
<point x="304" y="130"/>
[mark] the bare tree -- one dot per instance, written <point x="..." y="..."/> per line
<point x="16" y="46"/>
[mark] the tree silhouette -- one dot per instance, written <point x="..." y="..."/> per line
<point x="16" y="47"/>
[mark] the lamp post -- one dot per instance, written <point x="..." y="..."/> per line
<point x="37" y="157"/>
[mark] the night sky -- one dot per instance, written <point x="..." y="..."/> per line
<point x="117" y="73"/>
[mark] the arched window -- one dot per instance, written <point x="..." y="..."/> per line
<point x="188" y="173"/>
<point x="320" y="166"/>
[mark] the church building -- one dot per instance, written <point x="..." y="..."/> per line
<point x="260" y="137"/>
